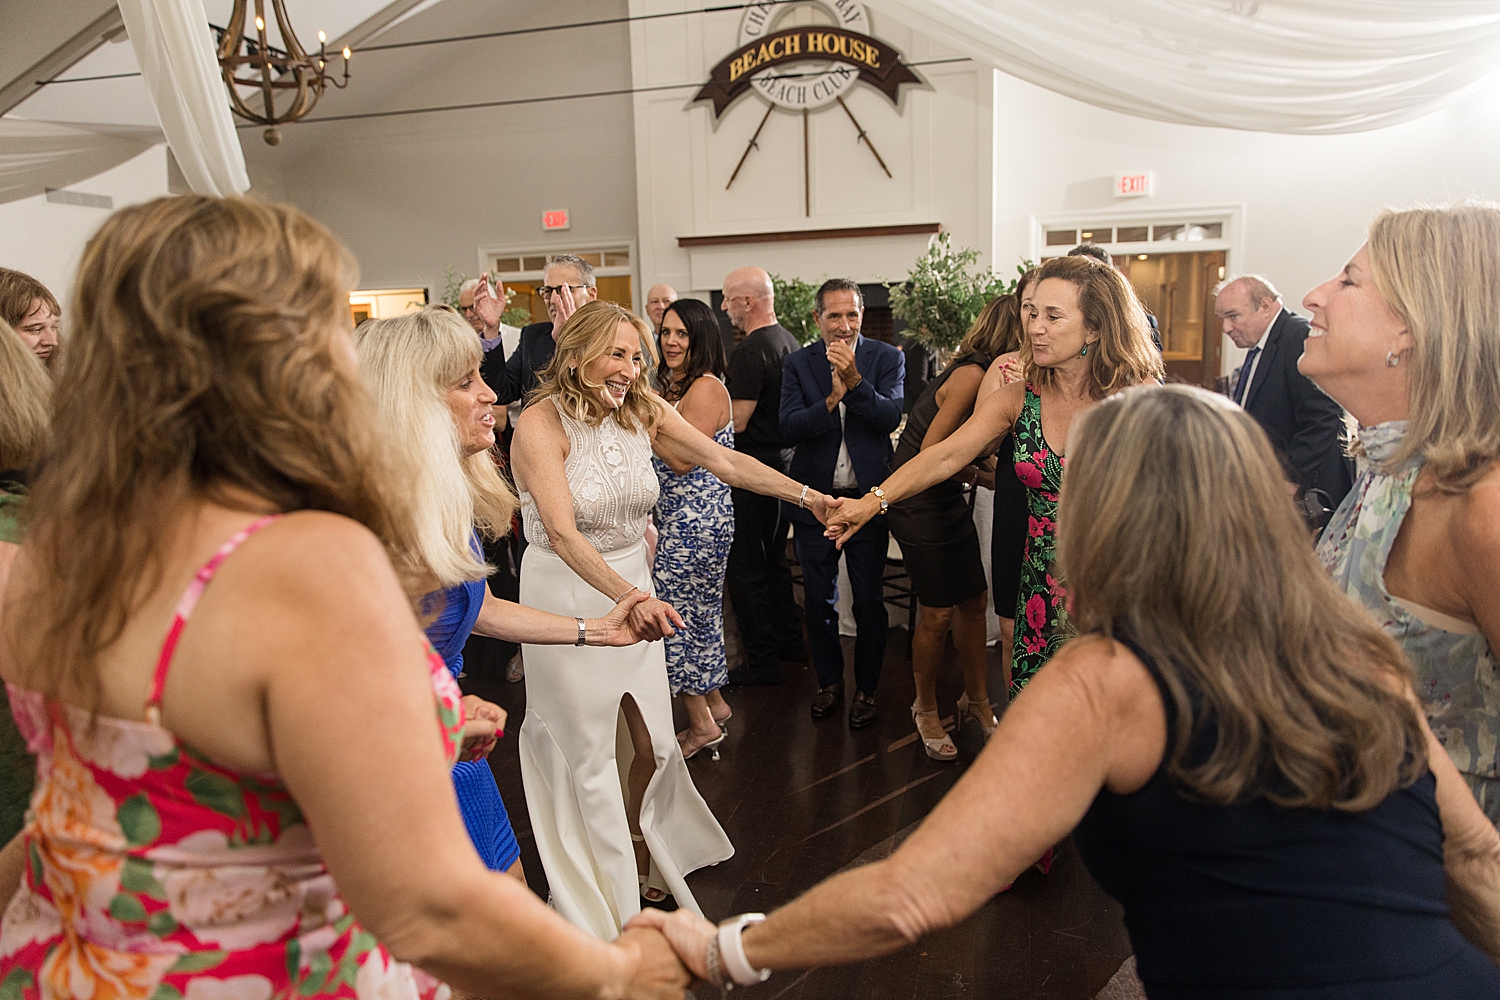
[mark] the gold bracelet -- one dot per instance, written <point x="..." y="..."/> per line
<point x="879" y="494"/>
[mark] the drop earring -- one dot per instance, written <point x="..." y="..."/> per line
<point x="1085" y="352"/>
<point x="1392" y="359"/>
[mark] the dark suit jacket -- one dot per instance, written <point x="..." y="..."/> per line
<point x="1305" y="426"/>
<point x="512" y="378"/>
<point x="872" y="410"/>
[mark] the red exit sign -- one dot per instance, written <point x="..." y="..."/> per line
<point x="1132" y="185"/>
<point x="556" y="219"/>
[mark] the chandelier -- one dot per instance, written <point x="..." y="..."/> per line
<point x="285" y="83"/>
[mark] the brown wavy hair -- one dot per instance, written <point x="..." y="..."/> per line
<point x="209" y="349"/>
<point x="1124" y="355"/>
<point x="1439" y="269"/>
<point x="19" y="294"/>
<point x="1175" y="531"/>
<point x="26" y="403"/>
<point x="587" y="336"/>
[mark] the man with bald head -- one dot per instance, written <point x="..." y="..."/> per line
<point x="758" y="581"/>
<point x="658" y="298"/>
<point x="1305" y="426"/>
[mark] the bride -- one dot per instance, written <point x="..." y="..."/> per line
<point x="614" y="811"/>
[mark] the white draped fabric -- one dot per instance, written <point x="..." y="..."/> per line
<point x="176" y="54"/>
<point x="35" y="156"/>
<point x="1296" y="66"/>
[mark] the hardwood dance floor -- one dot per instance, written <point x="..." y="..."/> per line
<point x="803" y="798"/>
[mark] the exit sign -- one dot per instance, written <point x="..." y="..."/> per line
<point x="1132" y="185"/>
<point x="556" y="219"/>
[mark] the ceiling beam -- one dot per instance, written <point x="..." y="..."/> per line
<point x="108" y="25"/>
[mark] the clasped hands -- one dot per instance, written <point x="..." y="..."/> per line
<point x="687" y="932"/>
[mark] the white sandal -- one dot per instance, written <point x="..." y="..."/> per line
<point x="940" y="749"/>
<point x="645" y="880"/>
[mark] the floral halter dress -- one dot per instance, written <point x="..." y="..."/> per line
<point x="1042" y="624"/>
<point x="155" y="874"/>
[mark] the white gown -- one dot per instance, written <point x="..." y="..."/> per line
<point x="575" y="748"/>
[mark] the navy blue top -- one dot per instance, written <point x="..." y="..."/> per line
<point x="460" y="610"/>
<point x="1255" y="900"/>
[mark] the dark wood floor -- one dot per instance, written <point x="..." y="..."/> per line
<point x="803" y="798"/>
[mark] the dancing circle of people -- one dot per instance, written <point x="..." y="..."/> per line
<point x="242" y="546"/>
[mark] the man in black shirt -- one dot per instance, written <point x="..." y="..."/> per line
<point x="757" y="580"/>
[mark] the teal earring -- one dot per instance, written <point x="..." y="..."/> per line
<point x="1085" y="352"/>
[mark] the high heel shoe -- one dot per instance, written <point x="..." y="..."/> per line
<point x="980" y="712"/>
<point x="712" y="746"/>
<point x="644" y="880"/>
<point x="942" y="749"/>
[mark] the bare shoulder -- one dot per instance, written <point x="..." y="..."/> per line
<point x="539" y="417"/>
<point x="1476" y="523"/>
<point x="300" y="556"/>
<point x="1105" y="670"/>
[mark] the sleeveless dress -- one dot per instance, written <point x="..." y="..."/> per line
<point x="1042" y="624"/>
<point x="574" y="745"/>
<point x="478" y="796"/>
<point x="935" y="528"/>
<point x="156" y="874"/>
<point x="1457" y="677"/>
<point x="1253" y="901"/>
<point x="695" y="518"/>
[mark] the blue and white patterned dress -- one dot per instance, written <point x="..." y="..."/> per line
<point x="695" y="519"/>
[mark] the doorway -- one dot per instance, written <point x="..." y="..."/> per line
<point x="1178" y="289"/>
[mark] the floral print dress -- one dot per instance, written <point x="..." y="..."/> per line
<point x="154" y="874"/>
<point x="1042" y="624"/>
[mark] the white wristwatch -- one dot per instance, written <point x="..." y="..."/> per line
<point x="732" y="950"/>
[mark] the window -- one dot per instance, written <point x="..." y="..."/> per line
<point x="381" y="303"/>
<point x="1062" y="237"/>
<point x="522" y="276"/>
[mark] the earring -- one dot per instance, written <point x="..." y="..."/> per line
<point x="1085" y="352"/>
<point x="1392" y="359"/>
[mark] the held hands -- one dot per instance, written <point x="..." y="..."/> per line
<point x="822" y="506"/>
<point x="688" y="933"/>
<point x="617" y="628"/>
<point x="657" y="974"/>
<point x="654" y="619"/>
<point x="484" y="723"/>
<point x="850" y="516"/>
<point x="486" y="306"/>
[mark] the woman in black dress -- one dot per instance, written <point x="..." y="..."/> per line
<point x="938" y="540"/>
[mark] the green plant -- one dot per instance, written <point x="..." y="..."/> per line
<point x="794" y="307"/>
<point x="943" y="295"/>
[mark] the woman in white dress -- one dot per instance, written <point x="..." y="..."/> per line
<point x="611" y="802"/>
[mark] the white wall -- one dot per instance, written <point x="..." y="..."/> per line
<point x="412" y="195"/>
<point x="1307" y="200"/>
<point x="46" y="240"/>
<point x="937" y="145"/>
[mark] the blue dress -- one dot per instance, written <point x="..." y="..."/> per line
<point x="478" y="796"/>
<point x="695" y="521"/>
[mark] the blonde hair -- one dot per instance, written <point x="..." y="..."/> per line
<point x="1124" y="354"/>
<point x="26" y="403"/>
<point x="210" y="332"/>
<point x="410" y="362"/>
<point x="587" y="336"/>
<point x="1439" y="269"/>
<point x="1176" y="532"/>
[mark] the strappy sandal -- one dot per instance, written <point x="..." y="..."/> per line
<point x="712" y="745"/>
<point x="646" y="889"/>
<point x="980" y="712"/>
<point x="940" y="749"/>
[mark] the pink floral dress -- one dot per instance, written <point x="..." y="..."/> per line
<point x="154" y="873"/>
<point x="1042" y="624"/>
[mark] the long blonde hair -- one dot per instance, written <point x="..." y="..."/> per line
<point x="410" y="362"/>
<point x="1124" y="355"/>
<point x="25" y="403"/>
<point x="1439" y="269"/>
<point x="587" y="336"/>
<point x="1175" y="531"/>
<point x="208" y="334"/>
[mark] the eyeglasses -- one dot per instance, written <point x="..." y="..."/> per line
<point x="547" y="291"/>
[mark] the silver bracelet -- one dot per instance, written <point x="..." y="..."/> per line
<point x="624" y="594"/>
<point x="716" y="977"/>
<point x="582" y="631"/>
<point x="802" y="497"/>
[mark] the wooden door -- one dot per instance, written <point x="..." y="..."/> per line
<point x="1178" y="288"/>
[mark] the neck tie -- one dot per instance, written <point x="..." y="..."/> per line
<point x="1244" y="379"/>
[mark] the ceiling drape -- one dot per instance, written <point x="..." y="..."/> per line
<point x="176" y="54"/>
<point x="1295" y="66"/>
<point x="35" y="156"/>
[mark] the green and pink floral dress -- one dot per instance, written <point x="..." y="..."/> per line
<point x="1042" y="624"/>
<point x="155" y="874"/>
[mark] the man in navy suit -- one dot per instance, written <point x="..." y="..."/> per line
<point x="567" y="283"/>
<point x="840" y="402"/>
<point x="1305" y="426"/>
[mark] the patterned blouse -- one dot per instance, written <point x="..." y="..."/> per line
<point x="1455" y="667"/>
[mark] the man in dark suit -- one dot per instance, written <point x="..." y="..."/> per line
<point x="840" y="401"/>
<point x="567" y="283"/>
<point x="1305" y="426"/>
